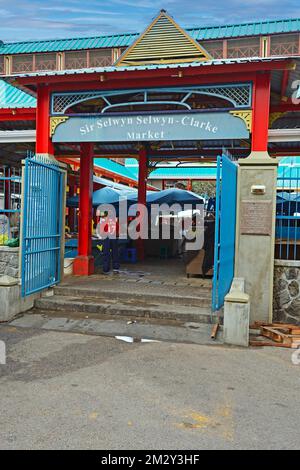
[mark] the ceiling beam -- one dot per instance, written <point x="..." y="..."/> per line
<point x="104" y="77"/>
<point x="15" y="114"/>
<point x="284" y="135"/>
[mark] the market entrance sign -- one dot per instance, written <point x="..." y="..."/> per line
<point x="150" y="127"/>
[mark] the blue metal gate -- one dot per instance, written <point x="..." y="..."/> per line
<point x="42" y="226"/>
<point x="226" y="192"/>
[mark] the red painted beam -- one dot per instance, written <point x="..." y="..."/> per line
<point x="285" y="107"/>
<point x="99" y="171"/>
<point x="284" y="82"/>
<point x="24" y="114"/>
<point x="178" y="73"/>
<point x="168" y="81"/>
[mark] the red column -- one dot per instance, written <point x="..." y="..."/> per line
<point x="142" y="193"/>
<point x="84" y="263"/>
<point x="260" y="114"/>
<point x="189" y="185"/>
<point x="43" y="139"/>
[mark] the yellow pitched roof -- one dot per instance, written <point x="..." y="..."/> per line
<point x="164" y="41"/>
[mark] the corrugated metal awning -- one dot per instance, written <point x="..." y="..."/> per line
<point x="12" y="97"/>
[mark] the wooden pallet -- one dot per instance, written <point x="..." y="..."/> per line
<point x="280" y="334"/>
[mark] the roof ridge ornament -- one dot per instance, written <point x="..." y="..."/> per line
<point x="163" y="42"/>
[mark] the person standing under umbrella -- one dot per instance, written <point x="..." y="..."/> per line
<point x="109" y="232"/>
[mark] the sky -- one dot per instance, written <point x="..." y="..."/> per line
<point x="23" y="20"/>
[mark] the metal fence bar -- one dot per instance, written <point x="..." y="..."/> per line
<point x="42" y="224"/>
<point x="217" y="236"/>
<point x="10" y="200"/>
<point x="287" y="245"/>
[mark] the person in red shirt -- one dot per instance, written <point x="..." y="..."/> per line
<point x="109" y="232"/>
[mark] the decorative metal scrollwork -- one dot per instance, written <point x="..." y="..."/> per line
<point x="239" y="95"/>
<point x="55" y="121"/>
<point x="246" y="116"/>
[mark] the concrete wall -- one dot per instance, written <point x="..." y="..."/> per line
<point x="286" y="306"/>
<point x="9" y="262"/>
<point x="12" y="303"/>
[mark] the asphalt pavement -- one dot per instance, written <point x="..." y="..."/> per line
<point x="63" y="390"/>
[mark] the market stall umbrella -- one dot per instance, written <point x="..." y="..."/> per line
<point x="173" y="196"/>
<point x="104" y="195"/>
<point x="107" y="195"/>
<point x="169" y="197"/>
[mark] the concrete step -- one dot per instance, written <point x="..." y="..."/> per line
<point x="202" y="299"/>
<point x="129" y="309"/>
<point x="196" y="333"/>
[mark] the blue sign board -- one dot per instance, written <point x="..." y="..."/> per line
<point x="151" y="127"/>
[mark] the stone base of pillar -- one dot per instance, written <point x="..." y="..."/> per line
<point x="83" y="266"/>
<point x="237" y="315"/>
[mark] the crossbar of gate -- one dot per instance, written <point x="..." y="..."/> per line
<point x="287" y="232"/>
<point x="42" y="224"/>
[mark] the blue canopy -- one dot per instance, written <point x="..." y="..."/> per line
<point x="104" y="195"/>
<point x="173" y="196"/>
<point x="109" y="196"/>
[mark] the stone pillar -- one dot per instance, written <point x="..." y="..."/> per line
<point x="255" y="238"/>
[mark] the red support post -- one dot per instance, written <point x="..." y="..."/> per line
<point x="84" y="263"/>
<point x="260" y="114"/>
<point x="189" y="185"/>
<point x="43" y="139"/>
<point x="284" y="84"/>
<point x="142" y="195"/>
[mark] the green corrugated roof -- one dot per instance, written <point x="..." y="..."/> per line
<point x="115" y="167"/>
<point x="133" y="165"/>
<point x="253" y="28"/>
<point x="119" y="40"/>
<point x="11" y="97"/>
<point x="200" y="172"/>
<point x="56" y="45"/>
